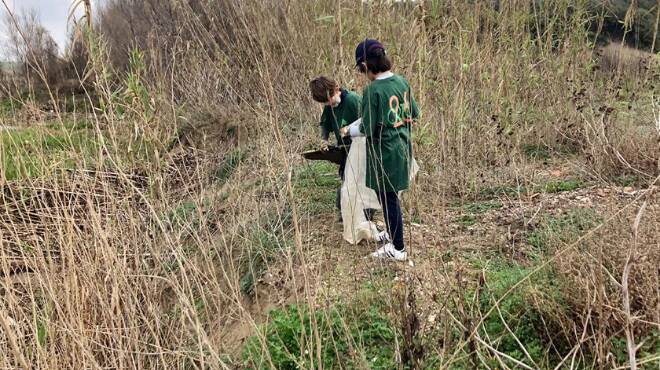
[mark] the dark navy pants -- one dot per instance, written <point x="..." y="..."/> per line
<point x="342" y="168"/>
<point x="389" y="201"/>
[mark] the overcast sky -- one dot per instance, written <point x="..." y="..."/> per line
<point x="53" y="15"/>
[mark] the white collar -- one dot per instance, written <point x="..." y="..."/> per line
<point x="384" y="75"/>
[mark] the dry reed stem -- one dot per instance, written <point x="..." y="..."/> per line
<point x="630" y="338"/>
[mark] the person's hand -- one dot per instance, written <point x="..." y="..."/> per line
<point x="344" y="131"/>
<point x="325" y="145"/>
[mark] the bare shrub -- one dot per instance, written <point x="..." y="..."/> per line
<point x="595" y="273"/>
<point x="31" y="45"/>
<point x="626" y="60"/>
<point x="76" y="58"/>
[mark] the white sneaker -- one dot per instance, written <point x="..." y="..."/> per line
<point x="388" y="251"/>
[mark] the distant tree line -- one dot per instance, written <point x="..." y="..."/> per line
<point x="641" y="30"/>
<point x="152" y="23"/>
<point x="165" y="27"/>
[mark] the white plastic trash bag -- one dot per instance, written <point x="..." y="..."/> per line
<point x="356" y="196"/>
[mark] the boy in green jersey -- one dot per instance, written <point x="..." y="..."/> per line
<point x="388" y="111"/>
<point x="341" y="107"/>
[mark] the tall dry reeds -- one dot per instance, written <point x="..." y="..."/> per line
<point x="165" y="239"/>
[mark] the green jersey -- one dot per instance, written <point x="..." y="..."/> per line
<point x="388" y="110"/>
<point x="334" y="118"/>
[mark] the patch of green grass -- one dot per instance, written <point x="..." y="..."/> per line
<point x="71" y="125"/>
<point x="650" y="347"/>
<point x="318" y="174"/>
<point x="473" y="209"/>
<point x="183" y="217"/>
<point x="502" y="190"/>
<point x="9" y="105"/>
<point x="263" y="241"/>
<point x="482" y="207"/>
<point x="562" y="229"/>
<point x="560" y="186"/>
<point x="79" y="104"/>
<point x="346" y="336"/>
<point x="316" y="184"/>
<point x="532" y="312"/>
<point x="466" y="220"/>
<point x="42" y="332"/>
<point x="535" y="151"/>
<point x="514" y="191"/>
<point x="229" y="164"/>
<point x="33" y="151"/>
<point x="625" y="180"/>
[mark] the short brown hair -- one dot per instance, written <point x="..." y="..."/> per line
<point x="322" y="88"/>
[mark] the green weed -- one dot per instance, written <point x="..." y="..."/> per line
<point x="535" y="151"/>
<point x="69" y="126"/>
<point x="531" y="313"/>
<point x="77" y="104"/>
<point x="650" y="347"/>
<point x="42" y="332"/>
<point x="502" y="190"/>
<point x="482" y="207"/>
<point x="184" y="217"/>
<point x="563" y="229"/>
<point x="263" y="242"/>
<point x="10" y="105"/>
<point x="466" y="220"/>
<point x="229" y="164"/>
<point x="625" y="180"/>
<point x="316" y="185"/>
<point x="560" y="186"/>
<point x="347" y="337"/>
<point x="135" y="92"/>
<point x="473" y="209"/>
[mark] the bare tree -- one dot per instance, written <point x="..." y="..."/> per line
<point x="128" y="24"/>
<point x="33" y="48"/>
<point x="76" y="56"/>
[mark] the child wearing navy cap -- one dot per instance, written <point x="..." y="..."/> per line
<point x="388" y="111"/>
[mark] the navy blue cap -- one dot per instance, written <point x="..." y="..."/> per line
<point x="365" y="50"/>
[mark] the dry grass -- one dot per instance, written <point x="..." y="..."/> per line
<point x="168" y="244"/>
<point x="615" y="57"/>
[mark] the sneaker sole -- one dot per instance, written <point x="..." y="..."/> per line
<point x="388" y="258"/>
